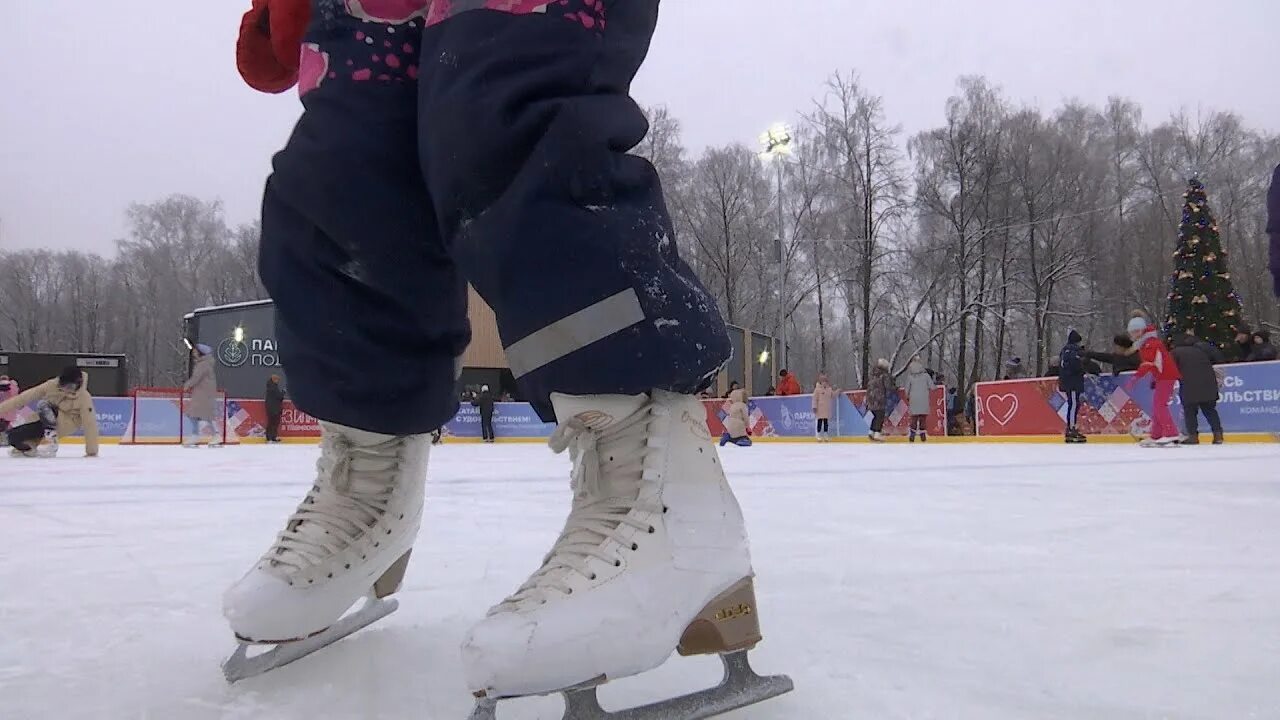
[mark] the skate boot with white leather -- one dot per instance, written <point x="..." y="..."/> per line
<point x="349" y="538"/>
<point x="652" y="559"/>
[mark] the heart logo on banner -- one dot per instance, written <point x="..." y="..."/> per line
<point x="1001" y="408"/>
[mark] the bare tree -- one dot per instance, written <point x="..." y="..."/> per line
<point x="867" y="193"/>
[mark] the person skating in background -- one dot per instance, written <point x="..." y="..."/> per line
<point x="733" y="385"/>
<point x="485" y="402"/>
<point x="824" y="400"/>
<point x="1244" y="343"/>
<point x="1263" y="350"/>
<point x="880" y="388"/>
<point x="1054" y="369"/>
<point x="8" y="389"/>
<point x="201" y="391"/>
<point x="788" y="384"/>
<point x="273" y="400"/>
<point x="1159" y="364"/>
<point x="1199" y="387"/>
<point x="70" y="408"/>
<point x="918" y="387"/>
<point x="1071" y="383"/>
<point x="954" y="409"/>
<point x="736" y="421"/>
<point x="1122" y="358"/>
<point x="37" y="438"/>
<point x="1014" y="369"/>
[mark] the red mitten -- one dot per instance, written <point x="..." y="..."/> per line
<point x="271" y="42"/>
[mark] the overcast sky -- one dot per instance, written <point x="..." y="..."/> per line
<point x="107" y="103"/>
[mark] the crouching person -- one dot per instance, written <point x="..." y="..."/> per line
<point x="735" y="423"/>
<point x="38" y="438"/>
<point x="64" y="406"/>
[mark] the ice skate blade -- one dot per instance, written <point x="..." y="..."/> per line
<point x="240" y="666"/>
<point x="740" y="687"/>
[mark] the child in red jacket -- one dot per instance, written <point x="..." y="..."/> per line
<point x="1157" y="362"/>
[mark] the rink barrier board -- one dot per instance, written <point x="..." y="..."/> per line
<point x="1232" y="439"/>
<point x="1248" y="403"/>
<point x="1008" y="411"/>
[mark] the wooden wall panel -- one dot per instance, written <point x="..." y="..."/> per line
<point x="485" y="350"/>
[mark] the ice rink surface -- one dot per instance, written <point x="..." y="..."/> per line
<point x="947" y="582"/>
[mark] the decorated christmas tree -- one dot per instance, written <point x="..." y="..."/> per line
<point x="1201" y="298"/>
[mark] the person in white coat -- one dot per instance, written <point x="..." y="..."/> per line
<point x="918" y="386"/>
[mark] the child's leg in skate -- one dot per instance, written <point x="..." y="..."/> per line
<point x="525" y="135"/>
<point x="370" y="311"/>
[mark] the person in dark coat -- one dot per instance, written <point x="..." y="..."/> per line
<point x="1014" y="369"/>
<point x="1199" y="387"/>
<point x="273" y="399"/>
<point x="1055" y="368"/>
<point x="880" y="388"/>
<point x="1273" y="229"/>
<point x="1216" y="356"/>
<point x="1244" y="343"/>
<point x="1071" y="383"/>
<point x="485" y="402"/>
<point x="1122" y="358"/>
<point x="1263" y="350"/>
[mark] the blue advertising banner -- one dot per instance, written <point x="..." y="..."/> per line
<point x="510" y="420"/>
<point x="114" y="415"/>
<point x="1249" y="400"/>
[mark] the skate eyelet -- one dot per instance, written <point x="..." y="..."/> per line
<point x="330" y="575"/>
<point x="348" y="566"/>
<point x="665" y="509"/>
<point x="634" y="547"/>
<point x="377" y="544"/>
<point x="388" y="532"/>
<point x="592" y="576"/>
<point x="652" y="530"/>
<point x="617" y="563"/>
<point x="570" y="592"/>
<point x="311" y="581"/>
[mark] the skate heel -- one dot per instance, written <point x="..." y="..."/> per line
<point x="389" y="583"/>
<point x="728" y="624"/>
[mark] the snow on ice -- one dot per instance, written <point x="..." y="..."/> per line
<point x="946" y="581"/>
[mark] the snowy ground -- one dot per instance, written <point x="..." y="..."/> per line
<point x="950" y="581"/>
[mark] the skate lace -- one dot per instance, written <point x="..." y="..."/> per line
<point x="602" y="504"/>
<point x="341" y="507"/>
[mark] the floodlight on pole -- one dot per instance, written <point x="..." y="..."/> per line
<point x="776" y="141"/>
<point x="777" y="147"/>
<point x="238" y="334"/>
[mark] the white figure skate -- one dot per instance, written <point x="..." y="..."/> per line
<point x="208" y="433"/>
<point x="49" y="447"/>
<point x="350" y="537"/>
<point x="653" y="558"/>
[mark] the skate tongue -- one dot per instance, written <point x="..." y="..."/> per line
<point x="586" y="422"/>
<point x="596" y="412"/>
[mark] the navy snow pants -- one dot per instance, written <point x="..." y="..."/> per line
<point x="501" y="160"/>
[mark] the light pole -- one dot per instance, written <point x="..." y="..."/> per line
<point x="777" y="146"/>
